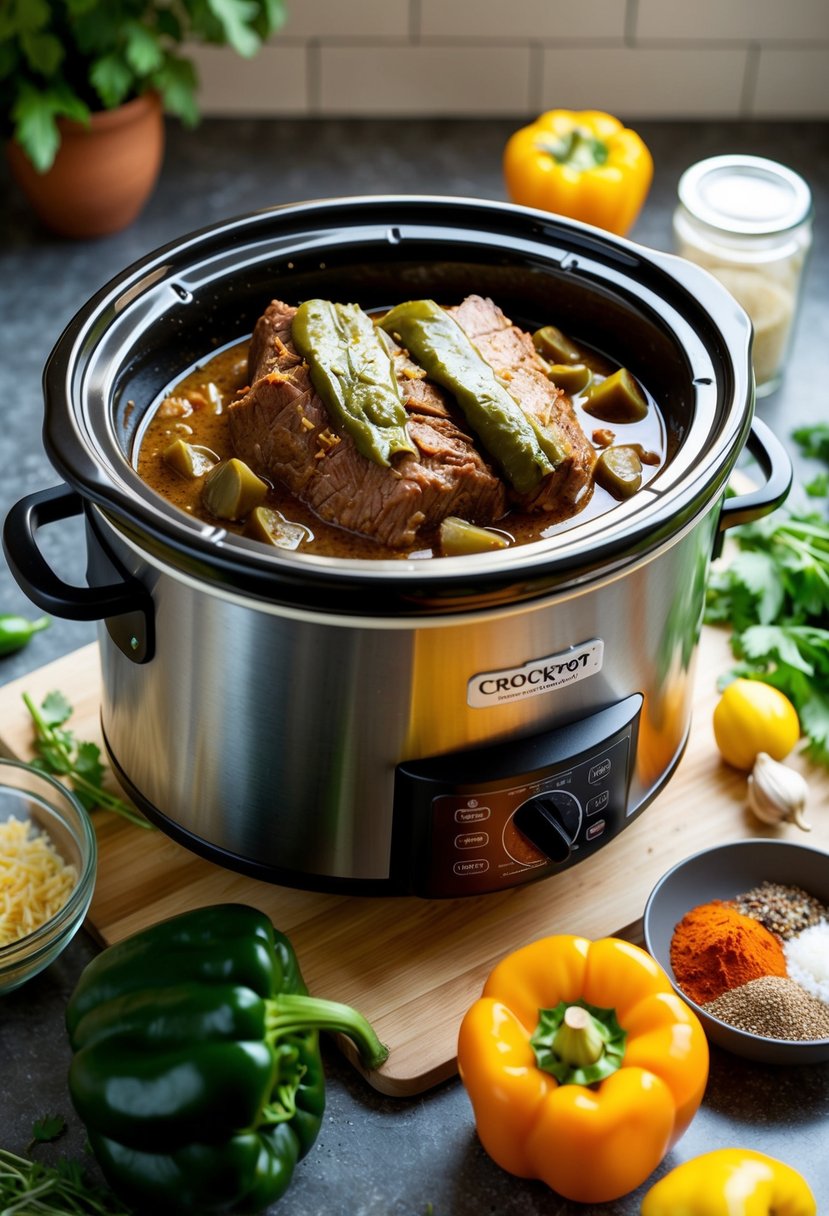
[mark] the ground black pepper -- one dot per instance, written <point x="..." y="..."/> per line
<point x="784" y="910"/>
<point x="773" y="1007"/>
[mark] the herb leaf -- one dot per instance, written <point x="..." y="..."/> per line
<point x="48" y="1128"/>
<point x="775" y="594"/>
<point x="813" y="440"/>
<point x="60" y="753"/>
<point x="31" y="1188"/>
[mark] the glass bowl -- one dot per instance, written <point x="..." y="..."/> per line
<point x="28" y="794"/>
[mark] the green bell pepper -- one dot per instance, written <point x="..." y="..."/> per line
<point x="196" y="1065"/>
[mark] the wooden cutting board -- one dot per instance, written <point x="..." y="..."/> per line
<point x="414" y="966"/>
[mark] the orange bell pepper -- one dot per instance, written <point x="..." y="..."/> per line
<point x="582" y="164"/>
<point x="582" y="1065"/>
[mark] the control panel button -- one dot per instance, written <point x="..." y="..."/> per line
<point x="472" y="840"/>
<point x="599" y="771"/>
<point x="598" y="803"/>
<point x="468" y="869"/>
<point x="595" y="829"/>
<point x="472" y="814"/>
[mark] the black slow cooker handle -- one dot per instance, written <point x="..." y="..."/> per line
<point x="774" y="460"/>
<point x="126" y="606"/>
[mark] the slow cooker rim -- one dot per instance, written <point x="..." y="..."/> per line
<point x="266" y="574"/>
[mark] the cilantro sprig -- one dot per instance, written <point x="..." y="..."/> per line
<point x="775" y="595"/>
<point x="60" y="753"/>
<point x="813" y="440"/>
<point x="29" y="1187"/>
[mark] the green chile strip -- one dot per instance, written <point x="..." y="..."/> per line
<point x="525" y="450"/>
<point x="353" y="373"/>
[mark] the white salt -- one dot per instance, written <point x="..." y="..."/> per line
<point x="807" y="959"/>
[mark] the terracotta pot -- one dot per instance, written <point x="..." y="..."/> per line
<point x="103" y="173"/>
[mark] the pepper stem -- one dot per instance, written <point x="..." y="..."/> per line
<point x="578" y="1043"/>
<point x="293" y="1013"/>
<point x="579" y="149"/>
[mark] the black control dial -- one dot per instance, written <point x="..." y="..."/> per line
<point x="551" y="822"/>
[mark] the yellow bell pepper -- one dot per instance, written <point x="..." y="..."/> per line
<point x="582" y="1065"/>
<point x="582" y="164"/>
<point x="731" y="1182"/>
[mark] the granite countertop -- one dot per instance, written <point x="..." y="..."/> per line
<point x="375" y="1156"/>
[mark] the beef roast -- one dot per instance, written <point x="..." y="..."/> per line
<point x="282" y="429"/>
<point x="511" y="354"/>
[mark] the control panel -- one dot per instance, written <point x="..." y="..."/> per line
<point x="489" y="818"/>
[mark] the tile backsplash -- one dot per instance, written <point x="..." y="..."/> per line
<point x="477" y="58"/>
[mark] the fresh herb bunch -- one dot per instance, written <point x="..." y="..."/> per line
<point x="775" y="595"/>
<point x="60" y="753"/>
<point x="69" y="58"/>
<point x="813" y="442"/>
<point x="31" y="1188"/>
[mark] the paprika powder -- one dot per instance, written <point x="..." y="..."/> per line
<point x="715" y="948"/>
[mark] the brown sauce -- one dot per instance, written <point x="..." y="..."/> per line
<point x="204" y="393"/>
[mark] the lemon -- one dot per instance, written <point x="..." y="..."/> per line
<point x="752" y="717"/>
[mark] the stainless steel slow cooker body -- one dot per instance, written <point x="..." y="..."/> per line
<point x="444" y="727"/>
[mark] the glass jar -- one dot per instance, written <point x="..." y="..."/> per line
<point x="749" y="221"/>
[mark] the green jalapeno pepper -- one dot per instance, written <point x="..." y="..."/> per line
<point x="352" y="371"/>
<point x="196" y="1065"/>
<point x="526" y="451"/>
<point x="16" y="631"/>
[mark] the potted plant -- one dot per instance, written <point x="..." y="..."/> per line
<point x="84" y="85"/>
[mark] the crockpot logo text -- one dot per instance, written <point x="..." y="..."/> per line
<point x="537" y="676"/>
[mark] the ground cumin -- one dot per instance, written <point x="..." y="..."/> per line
<point x="715" y="948"/>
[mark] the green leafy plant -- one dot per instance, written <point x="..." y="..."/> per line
<point x="775" y="595"/>
<point x="29" y="1187"/>
<point x="60" y="753"/>
<point x="47" y="1129"/>
<point x="813" y="440"/>
<point x="69" y="58"/>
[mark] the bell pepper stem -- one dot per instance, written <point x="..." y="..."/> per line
<point x="578" y="1041"/>
<point x="291" y="1013"/>
<point x="579" y="149"/>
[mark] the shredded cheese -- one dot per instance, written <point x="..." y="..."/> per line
<point x="35" y="881"/>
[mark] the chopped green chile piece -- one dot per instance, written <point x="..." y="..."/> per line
<point x="553" y="345"/>
<point x="619" y="471"/>
<point x="232" y="490"/>
<point x="616" y="399"/>
<point x="572" y="377"/>
<point x="526" y="451"/>
<point x="458" y="536"/>
<point x="189" y="459"/>
<point x="353" y="372"/>
<point x="272" y="528"/>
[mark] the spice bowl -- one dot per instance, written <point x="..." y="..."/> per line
<point x="48" y="861"/>
<point x="724" y="873"/>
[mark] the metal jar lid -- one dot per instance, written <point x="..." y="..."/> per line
<point x="745" y="194"/>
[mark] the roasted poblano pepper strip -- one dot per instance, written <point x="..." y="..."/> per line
<point x="196" y="1065"/>
<point x="352" y="371"/>
<point x="526" y="451"/>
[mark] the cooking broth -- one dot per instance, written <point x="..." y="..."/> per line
<point x="194" y="407"/>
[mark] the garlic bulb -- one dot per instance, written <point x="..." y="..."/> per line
<point x="776" y="793"/>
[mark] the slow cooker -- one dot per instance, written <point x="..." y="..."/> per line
<point x="445" y="727"/>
